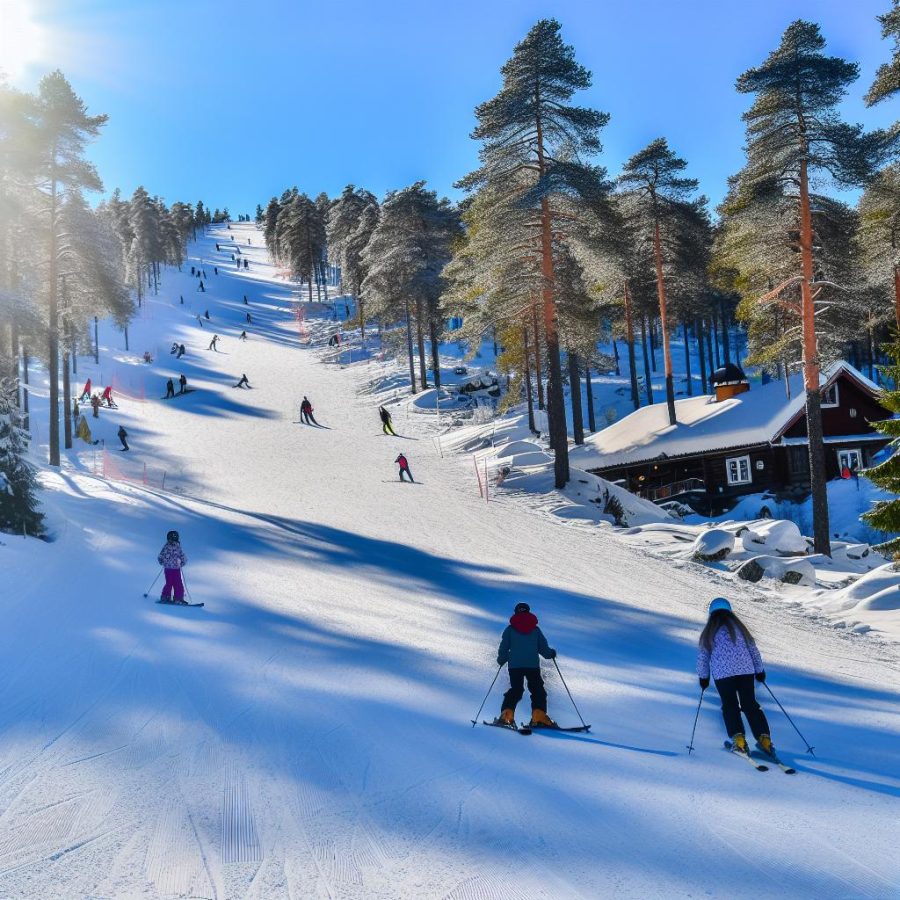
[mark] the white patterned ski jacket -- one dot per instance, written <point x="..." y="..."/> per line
<point x="172" y="556"/>
<point x="729" y="657"/>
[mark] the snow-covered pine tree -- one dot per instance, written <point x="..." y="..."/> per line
<point x="18" y="486"/>
<point x="794" y="132"/>
<point x="885" y="515"/>
<point x="887" y="78"/>
<point x="879" y="235"/>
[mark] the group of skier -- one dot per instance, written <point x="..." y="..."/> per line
<point x="727" y="654"/>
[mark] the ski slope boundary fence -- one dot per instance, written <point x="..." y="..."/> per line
<point x="115" y="467"/>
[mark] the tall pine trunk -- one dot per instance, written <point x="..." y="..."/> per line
<point x="26" y="400"/>
<point x="701" y="356"/>
<point x="538" y="376"/>
<point x="53" y="331"/>
<point x="409" y="350"/>
<point x="664" y="323"/>
<point x="687" y="359"/>
<point x="362" y="322"/>
<point x="527" y="374"/>
<point x="589" y="390"/>
<point x="632" y="363"/>
<point x="67" y="381"/>
<point x="648" y="377"/>
<point x="897" y="295"/>
<point x="817" y="474"/>
<point x="575" y="386"/>
<point x="616" y="357"/>
<point x="435" y="354"/>
<point x="420" y="341"/>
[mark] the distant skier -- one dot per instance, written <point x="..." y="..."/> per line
<point x="246" y="264"/>
<point x="107" y="397"/>
<point x="386" y="425"/>
<point x="249" y="319"/>
<point x="200" y="321"/>
<point x="174" y="347"/>
<point x="216" y="270"/>
<point x="181" y="297"/>
<point x="170" y="389"/>
<point x="521" y="645"/>
<point x="403" y="462"/>
<point x="193" y="271"/>
<point x="123" y="437"/>
<point x="306" y="412"/>
<point x="245" y="300"/>
<point x="76" y="412"/>
<point x="728" y="651"/>
<point x="217" y="248"/>
<point x="213" y="344"/>
<point x="202" y="290"/>
<point x="95" y="405"/>
<point x="86" y="391"/>
<point x="172" y="558"/>
<point x="206" y="314"/>
<point x="182" y="383"/>
<point x="243" y="335"/>
<point x="244" y="382"/>
<point x="180" y="351"/>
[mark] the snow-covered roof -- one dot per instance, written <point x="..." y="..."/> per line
<point x="755" y="417"/>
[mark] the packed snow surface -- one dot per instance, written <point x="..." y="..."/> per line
<point x="307" y="733"/>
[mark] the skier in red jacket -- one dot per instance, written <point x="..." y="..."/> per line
<point x="402" y="461"/>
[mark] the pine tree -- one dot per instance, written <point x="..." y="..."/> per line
<point x="885" y="515"/>
<point x="531" y="177"/>
<point x="794" y="132"/>
<point x="879" y="234"/>
<point x="18" y="485"/>
<point x="887" y="78"/>
<point x="663" y="198"/>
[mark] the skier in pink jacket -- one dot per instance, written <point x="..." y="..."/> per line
<point x="172" y="558"/>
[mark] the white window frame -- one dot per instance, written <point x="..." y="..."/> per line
<point x="837" y="397"/>
<point x="848" y="451"/>
<point x="737" y="460"/>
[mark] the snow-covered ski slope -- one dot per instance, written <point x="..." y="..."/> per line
<point x="306" y="734"/>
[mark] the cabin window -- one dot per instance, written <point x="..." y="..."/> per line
<point x="738" y="470"/>
<point x="830" y="396"/>
<point x="850" y="459"/>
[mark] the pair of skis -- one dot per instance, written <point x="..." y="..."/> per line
<point x="528" y="729"/>
<point x="771" y="757"/>
<point x="173" y="603"/>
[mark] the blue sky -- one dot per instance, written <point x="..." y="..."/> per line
<point x="234" y="101"/>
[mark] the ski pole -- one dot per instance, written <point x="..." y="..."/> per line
<point x="696" y="718"/>
<point x="488" y="694"/>
<point x="184" y="582"/>
<point x="809" y="749"/>
<point x="147" y="592"/>
<point x="555" y="663"/>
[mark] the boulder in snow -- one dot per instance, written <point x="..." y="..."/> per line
<point x="779" y="536"/>
<point x="788" y="571"/>
<point x="712" y="545"/>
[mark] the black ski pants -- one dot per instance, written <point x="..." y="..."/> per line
<point x="517" y="678"/>
<point x="739" y="695"/>
<point x="405" y="471"/>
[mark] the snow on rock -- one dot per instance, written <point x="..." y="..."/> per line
<point x="712" y="545"/>
<point x="789" y="571"/>
<point x="776" y="536"/>
<point x="878" y="590"/>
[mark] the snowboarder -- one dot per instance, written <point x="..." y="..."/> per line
<point x="123" y="436"/>
<point x="95" y="405"/>
<point x="243" y="335"/>
<point x="728" y="652"/>
<point x="107" y="397"/>
<point x="213" y="343"/>
<point x="172" y="558"/>
<point x="402" y="461"/>
<point x="244" y="382"/>
<point x="521" y="644"/>
<point x="306" y="412"/>
<point x="86" y="391"/>
<point x="182" y="382"/>
<point x="386" y="425"/>
<point x="170" y="389"/>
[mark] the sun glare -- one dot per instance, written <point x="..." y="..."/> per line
<point x="21" y="39"/>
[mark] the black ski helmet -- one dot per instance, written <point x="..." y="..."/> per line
<point x="172" y="537"/>
<point x="522" y="608"/>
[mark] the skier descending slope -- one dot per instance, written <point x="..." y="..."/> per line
<point x="172" y="558"/>
<point x="520" y="646"/>
<point x="403" y="462"/>
<point x="728" y="652"/>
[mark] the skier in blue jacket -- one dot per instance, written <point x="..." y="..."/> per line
<point x="521" y="645"/>
<point x="729" y="653"/>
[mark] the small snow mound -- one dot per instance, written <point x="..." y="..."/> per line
<point x="777" y="536"/>
<point x="513" y="448"/>
<point x="713" y="545"/>
<point x="876" y="590"/>
<point x="433" y="399"/>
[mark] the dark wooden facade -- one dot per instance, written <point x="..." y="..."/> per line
<point x="779" y="466"/>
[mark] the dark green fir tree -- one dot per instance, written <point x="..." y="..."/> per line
<point x="18" y="485"/>
<point x="885" y="515"/>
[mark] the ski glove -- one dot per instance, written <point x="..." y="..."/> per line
<point x="500" y="661"/>
<point x="551" y="654"/>
<point x="704" y="684"/>
<point x="761" y="676"/>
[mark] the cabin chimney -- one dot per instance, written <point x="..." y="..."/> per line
<point x="729" y="381"/>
